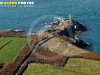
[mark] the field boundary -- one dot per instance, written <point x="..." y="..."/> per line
<point x="6" y="44"/>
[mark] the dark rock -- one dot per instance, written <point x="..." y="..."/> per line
<point x="81" y="43"/>
<point x="78" y="27"/>
<point x="1" y="66"/>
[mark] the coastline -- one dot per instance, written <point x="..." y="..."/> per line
<point x="48" y="43"/>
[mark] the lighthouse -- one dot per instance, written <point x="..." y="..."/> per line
<point x="69" y="21"/>
<point x="70" y="17"/>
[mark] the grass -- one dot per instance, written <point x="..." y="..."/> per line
<point x="62" y="47"/>
<point x="75" y="66"/>
<point x="3" y="41"/>
<point x="9" y="52"/>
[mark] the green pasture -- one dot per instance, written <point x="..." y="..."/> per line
<point x="9" y="51"/>
<point x="75" y="66"/>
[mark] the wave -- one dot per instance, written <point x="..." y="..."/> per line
<point x="58" y="18"/>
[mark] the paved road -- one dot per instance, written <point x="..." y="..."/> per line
<point x="33" y="51"/>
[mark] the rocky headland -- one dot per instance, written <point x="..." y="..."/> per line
<point x="52" y="46"/>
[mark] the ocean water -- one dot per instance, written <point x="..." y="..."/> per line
<point x="31" y="19"/>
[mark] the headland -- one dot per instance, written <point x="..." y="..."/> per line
<point x="52" y="46"/>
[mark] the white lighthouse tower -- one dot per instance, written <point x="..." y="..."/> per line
<point x="70" y="17"/>
<point x="69" y="21"/>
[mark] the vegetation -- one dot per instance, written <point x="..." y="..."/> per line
<point x="3" y="41"/>
<point x="9" y="51"/>
<point x="58" y="45"/>
<point x="75" y="66"/>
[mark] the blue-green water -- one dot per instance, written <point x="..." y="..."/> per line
<point x="86" y="12"/>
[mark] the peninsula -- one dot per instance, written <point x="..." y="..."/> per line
<point x="54" y="46"/>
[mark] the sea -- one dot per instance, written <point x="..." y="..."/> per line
<point x="36" y="17"/>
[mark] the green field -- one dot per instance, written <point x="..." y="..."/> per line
<point x="75" y="66"/>
<point x="9" y="52"/>
<point x="4" y="41"/>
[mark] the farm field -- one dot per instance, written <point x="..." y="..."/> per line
<point x="3" y="41"/>
<point x="10" y="50"/>
<point x="75" y="66"/>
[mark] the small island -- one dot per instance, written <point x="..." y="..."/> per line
<point x="54" y="46"/>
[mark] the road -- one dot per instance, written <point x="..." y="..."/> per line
<point x="33" y="51"/>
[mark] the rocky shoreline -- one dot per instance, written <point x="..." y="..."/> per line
<point x="70" y="29"/>
<point x="43" y="49"/>
<point x="66" y="27"/>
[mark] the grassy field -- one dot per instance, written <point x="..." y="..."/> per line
<point x="75" y="66"/>
<point x="4" y="41"/>
<point x="9" y="52"/>
<point x="62" y="47"/>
